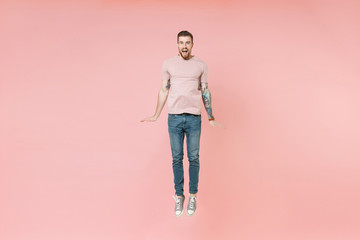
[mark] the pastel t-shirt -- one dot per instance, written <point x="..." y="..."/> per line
<point x="185" y="78"/>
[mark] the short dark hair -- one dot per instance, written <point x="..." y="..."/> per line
<point x="185" y="34"/>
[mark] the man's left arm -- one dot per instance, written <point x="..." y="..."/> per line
<point x="206" y="97"/>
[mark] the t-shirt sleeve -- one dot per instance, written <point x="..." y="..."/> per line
<point x="165" y="75"/>
<point x="204" y="75"/>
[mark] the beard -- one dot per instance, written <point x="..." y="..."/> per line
<point x="185" y="54"/>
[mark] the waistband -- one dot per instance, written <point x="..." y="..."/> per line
<point x="184" y="114"/>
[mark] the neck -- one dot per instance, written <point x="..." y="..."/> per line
<point x="189" y="57"/>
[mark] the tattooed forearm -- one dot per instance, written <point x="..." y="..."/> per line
<point x="206" y="96"/>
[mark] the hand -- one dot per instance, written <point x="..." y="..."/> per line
<point x="216" y="124"/>
<point x="149" y="119"/>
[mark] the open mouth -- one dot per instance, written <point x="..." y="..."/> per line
<point x="184" y="51"/>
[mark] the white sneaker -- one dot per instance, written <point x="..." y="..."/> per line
<point x="179" y="205"/>
<point x="191" y="208"/>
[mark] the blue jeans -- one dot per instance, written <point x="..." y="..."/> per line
<point x="179" y="126"/>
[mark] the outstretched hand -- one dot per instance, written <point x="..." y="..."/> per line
<point x="216" y="124"/>
<point x="149" y="119"/>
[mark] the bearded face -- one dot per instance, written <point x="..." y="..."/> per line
<point x="185" y="45"/>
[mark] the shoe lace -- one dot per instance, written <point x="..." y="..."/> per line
<point x="191" y="202"/>
<point x="177" y="202"/>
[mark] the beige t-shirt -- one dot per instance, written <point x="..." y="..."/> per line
<point x="185" y="78"/>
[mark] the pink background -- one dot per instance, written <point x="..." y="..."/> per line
<point x="77" y="76"/>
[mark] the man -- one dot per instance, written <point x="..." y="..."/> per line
<point x="184" y="83"/>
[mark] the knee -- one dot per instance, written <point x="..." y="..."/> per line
<point x="177" y="160"/>
<point x="194" y="159"/>
<point x="177" y="154"/>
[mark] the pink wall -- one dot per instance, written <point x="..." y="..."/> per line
<point x="76" y="78"/>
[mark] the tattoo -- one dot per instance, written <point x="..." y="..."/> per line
<point x="168" y="85"/>
<point x="206" y="96"/>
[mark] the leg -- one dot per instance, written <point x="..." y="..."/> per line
<point x="176" y="134"/>
<point x="193" y="131"/>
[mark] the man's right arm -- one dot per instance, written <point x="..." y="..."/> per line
<point x="162" y="97"/>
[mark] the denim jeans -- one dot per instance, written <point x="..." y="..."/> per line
<point x="181" y="125"/>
